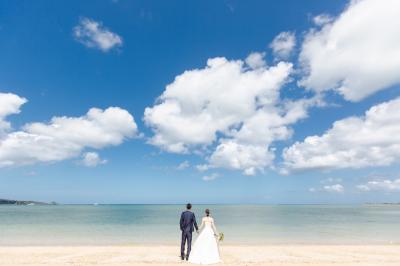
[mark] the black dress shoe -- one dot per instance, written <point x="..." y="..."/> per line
<point x="182" y="258"/>
<point x="187" y="258"/>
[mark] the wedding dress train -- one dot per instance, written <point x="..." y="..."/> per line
<point x="205" y="249"/>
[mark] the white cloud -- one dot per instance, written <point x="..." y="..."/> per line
<point x="283" y="44"/>
<point x="250" y="147"/>
<point x="183" y="165"/>
<point x="381" y="185"/>
<point x="247" y="157"/>
<point x="255" y="60"/>
<point x="92" y="159"/>
<point x="211" y="177"/>
<point x="337" y="188"/>
<point x="334" y="188"/>
<point x="9" y="104"/>
<point x="66" y="137"/>
<point x="202" y="167"/>
<point x="354" y="142"/>
<point x="231" y="103"/>
<point x="322" y="19"/>
<point x="94" y="35"/>
<point x="201" y="102"/>
<point x="358" y="53"/>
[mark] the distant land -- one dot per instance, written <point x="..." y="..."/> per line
<point x="23" y="202"/>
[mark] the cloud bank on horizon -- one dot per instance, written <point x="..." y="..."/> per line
<point x="233" y="112"/>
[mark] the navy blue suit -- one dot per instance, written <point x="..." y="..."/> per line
<point x="187" y="224"/>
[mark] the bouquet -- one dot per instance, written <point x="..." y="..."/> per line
<point x="221" y="237"/>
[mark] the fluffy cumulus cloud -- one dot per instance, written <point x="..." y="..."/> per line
<point x="385" y="185"/>
<point x="94" y="35"/>
<point x="234" y="155"/>
<point x="9" y="104"/>
<point x="283" y="44"/>
<point x="354" y="142"/>
<point x="66" y="137"/>
<point x="357" y="54"/>
<point x="92" y="159"/>
<point x="256" y="60"/>
<point x="250" y="147"/>
<point x="201" y="102"/>
<point x="234" y="104"/>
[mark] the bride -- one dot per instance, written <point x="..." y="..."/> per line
<point x="205" y="249"/>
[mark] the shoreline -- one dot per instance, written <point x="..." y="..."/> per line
<point x="257" y="255"/>
<point x="222" y="245"/>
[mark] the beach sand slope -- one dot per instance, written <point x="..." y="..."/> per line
<point x="368" y="255"/>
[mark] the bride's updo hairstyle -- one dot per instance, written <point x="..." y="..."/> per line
<point x="207" y="212"/>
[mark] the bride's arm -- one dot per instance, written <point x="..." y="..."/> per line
<point x="214" y="227"/>
<point x="202" y="224"/>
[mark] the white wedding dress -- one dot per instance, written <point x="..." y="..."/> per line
<point x="205" y="249"/>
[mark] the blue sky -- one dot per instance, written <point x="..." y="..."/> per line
<point x="67" y="57"/>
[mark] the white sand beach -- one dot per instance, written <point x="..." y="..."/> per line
<point x="344" y="255"/>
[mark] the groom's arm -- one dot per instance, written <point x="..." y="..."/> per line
<point x="181" y="222"/>
<point x="195" y="223"/>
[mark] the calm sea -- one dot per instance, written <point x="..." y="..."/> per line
<point x="241" y="224"/>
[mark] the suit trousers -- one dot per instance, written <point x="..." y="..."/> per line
<point x="186" y="237"/>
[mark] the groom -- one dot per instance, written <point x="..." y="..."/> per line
<point x="188" y="220"/>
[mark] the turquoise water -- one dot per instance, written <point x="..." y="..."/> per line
<point x="241" y="224"/>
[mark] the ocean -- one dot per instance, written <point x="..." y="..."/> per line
<point x="159" y="224"/>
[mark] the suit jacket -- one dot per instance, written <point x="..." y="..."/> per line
<point x="188" y="222"/>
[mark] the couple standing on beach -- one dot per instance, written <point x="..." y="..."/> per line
<point x="205" y="249"/>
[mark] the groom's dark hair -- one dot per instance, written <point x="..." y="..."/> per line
<point x="188" y="206"/>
